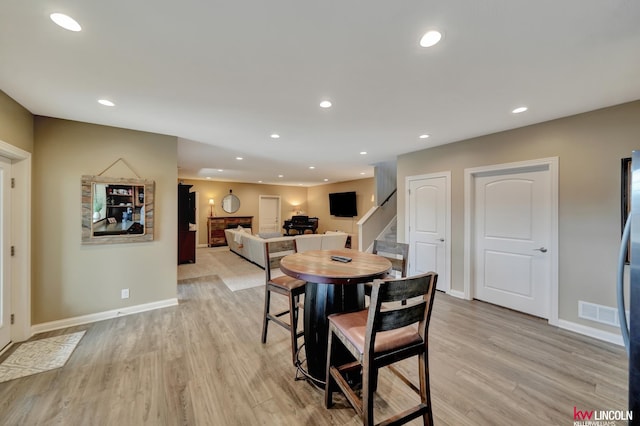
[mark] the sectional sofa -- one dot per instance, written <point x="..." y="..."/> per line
<point x="242" y="242"/>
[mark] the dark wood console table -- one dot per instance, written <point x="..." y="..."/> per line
<point x="216" y="226"/>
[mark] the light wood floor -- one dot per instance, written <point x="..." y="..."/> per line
<point x="202" y="363"/>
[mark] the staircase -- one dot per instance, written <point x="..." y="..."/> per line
<point x="390" y="233"/>
<point x="379" y="222"/>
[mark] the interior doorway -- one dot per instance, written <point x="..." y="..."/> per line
<point x="429" y="229"/>
<point x="511" y="216"/>
<point x="269" y="214"/>
<point x="20" y="231"/>
<point x="5" y="252"/>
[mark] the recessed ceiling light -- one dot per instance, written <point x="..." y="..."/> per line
<point x="425" y="136"/>
<point x="431" y="38"/>
<point x="280" y="176"/>
<point x="363" y="152"/>
<point x="312" y="167"/>
<point x="326" y="180"/>
<point x="325" y="104"/>
<point x="220" y="170"/>
<point x="362" y="173"/>
<point x="208" y="177"/>
<point x="239" y="158"/>
<point x="519" y="110"/>
<point x="106" y="102"/>
<point x="275" y="136"/>
<point x="66" y="22"/>
<point x="259" y="181"/>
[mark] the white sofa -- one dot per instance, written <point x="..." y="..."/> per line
<point x="329" y="241"/>
<point x="251" y="247"/>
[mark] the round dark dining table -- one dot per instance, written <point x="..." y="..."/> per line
<point x="332" y="287"/>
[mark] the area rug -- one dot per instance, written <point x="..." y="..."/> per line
<point x="236" y="272"/>
<point x="39" y="356"/>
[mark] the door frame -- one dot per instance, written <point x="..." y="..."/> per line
<point x="21" y="239"/>
<point x="279" y="211"/>
<point x="470" y="175"/>
<point x="447" y="238"/>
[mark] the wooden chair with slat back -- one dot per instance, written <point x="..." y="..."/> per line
<point x="398" y="255"/>
<point x="390" y="336"/>
<point x="291" y="288"/>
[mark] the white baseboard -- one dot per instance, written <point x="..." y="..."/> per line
<point x="85" y="319"/>
<point x="591" y="332"/>
<point x="456" y="293"/>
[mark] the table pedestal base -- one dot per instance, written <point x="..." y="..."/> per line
<point x="320" y="301"/>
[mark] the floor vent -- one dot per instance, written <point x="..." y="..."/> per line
<point x="599" y="313"/>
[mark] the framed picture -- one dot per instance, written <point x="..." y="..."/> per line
<point x="625" y="196"/>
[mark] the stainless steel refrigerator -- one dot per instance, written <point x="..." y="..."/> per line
<point x="630" y="326"/>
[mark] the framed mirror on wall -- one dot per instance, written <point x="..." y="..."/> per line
<point x="117" y="210"/>
<point x="230" y="203"/>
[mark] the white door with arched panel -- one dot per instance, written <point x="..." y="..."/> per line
<point x="512" y="234"/>
<point x="428" y="207"/>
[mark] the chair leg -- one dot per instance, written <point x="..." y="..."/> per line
<point x="369" y="379"/>
<point x="328" y="387"/>
<point x="293" y="327"/>
<point x="265" y="321"/>
<point x="374" y="380"/>
<point x="425" y="391"/>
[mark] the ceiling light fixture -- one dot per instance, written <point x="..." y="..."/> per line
<point x="312" y="167"/>
<point x="275" y="136"/>
<point x="326" y="180"/>
<point x="239" y="158"/>
<point x="363" y="152"/>
<point x="220" y="170"/>
<point x="325" y="104"/>
<point x="106" y="102"/>
<point x="66" y="22"/>
<point x="280" y="176"/>
<point x="425" y="136"/>
<point x="431" y="38"/>
<point x="519" y="110"/>
<point x="362" y="173"/>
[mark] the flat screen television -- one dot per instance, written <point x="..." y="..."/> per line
<point x="343" y="204"/>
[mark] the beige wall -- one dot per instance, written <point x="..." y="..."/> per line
<point x="70" y="279"/>
<point x="313" y="201"/>
<point x="16" y="124"/>
<point x="318" y="199"/>
<point x="589" y="147"/>
<point x="248" y="194"/>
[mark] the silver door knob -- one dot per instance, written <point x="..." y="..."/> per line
<point x="542" y="249"/>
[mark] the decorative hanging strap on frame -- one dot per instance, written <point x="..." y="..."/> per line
<point x="125" y="163"/>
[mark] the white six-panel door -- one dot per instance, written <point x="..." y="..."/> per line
<point x="512" y="234"/>
<point x="428" y="216"/>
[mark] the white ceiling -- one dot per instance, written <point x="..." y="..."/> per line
<point x="224" y="75"/>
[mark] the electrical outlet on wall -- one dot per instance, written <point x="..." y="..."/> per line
<point x="124" y="293"/>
